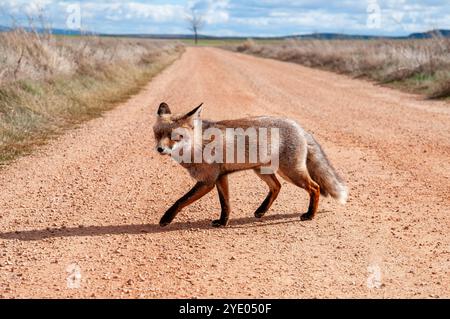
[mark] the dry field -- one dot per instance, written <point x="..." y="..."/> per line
<point x="420" y="66"/>
<point x="49" y="83"/>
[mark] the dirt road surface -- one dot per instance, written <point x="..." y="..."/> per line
<point x="79" y="218"/>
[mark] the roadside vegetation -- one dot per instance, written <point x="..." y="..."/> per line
<point x="417" y="66"/>
<point x="51" y="83"/>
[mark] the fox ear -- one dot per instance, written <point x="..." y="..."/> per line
<point x="164" y="109"/>
<point x="195" y="113"/>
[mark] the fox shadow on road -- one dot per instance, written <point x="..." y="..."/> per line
<point x="142" y="229"/>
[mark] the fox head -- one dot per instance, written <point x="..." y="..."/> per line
<point x="173" y="132"/>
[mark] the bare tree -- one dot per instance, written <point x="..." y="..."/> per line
<point x="196" y="23"/>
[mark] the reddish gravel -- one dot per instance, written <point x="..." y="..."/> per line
<point x="92" y="198"/>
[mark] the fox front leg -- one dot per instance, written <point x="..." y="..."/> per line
<point x="198" y="191"/>
<point x="222" y="188"/>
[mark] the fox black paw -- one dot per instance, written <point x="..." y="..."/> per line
<point x="259" y="215"/>
<point x="307" y="216"/>
<point x="219" y="223"/>
<point x="164" y="223"/>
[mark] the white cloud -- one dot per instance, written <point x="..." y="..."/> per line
<point x="312" y="20"/>
<point x="158" y="13"/>
<point x="35" y="7"/>
<point x="118" y="11"/>
<point x="410" y="16"/>
<point x="30" y="7"/>
<point x="218" y="12"/>
<point x="212" y="11"/>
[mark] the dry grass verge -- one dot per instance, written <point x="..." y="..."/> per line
<point x="48" y="83"/>
<point x="419" y="66"/>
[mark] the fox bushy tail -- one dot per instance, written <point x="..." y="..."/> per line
<point x="323" y="173"/>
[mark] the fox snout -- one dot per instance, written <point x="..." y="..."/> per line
<point x="163" y="150"/>
<point x="164" y="144"/>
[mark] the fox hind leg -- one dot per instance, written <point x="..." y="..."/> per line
<point x="314" y="194"/>
<point x="274" y="186"/>
<point x="302" y="179"/>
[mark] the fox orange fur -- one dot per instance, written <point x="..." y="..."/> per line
<point x="302" y="162"/>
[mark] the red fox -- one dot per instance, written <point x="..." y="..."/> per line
<point x="299" y="159"/>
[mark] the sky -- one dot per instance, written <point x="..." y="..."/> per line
<point x="235" y="17"/>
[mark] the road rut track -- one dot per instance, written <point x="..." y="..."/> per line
<point x="91" y="199"/>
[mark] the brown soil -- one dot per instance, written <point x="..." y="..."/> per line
<point x="93" y="197"/>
